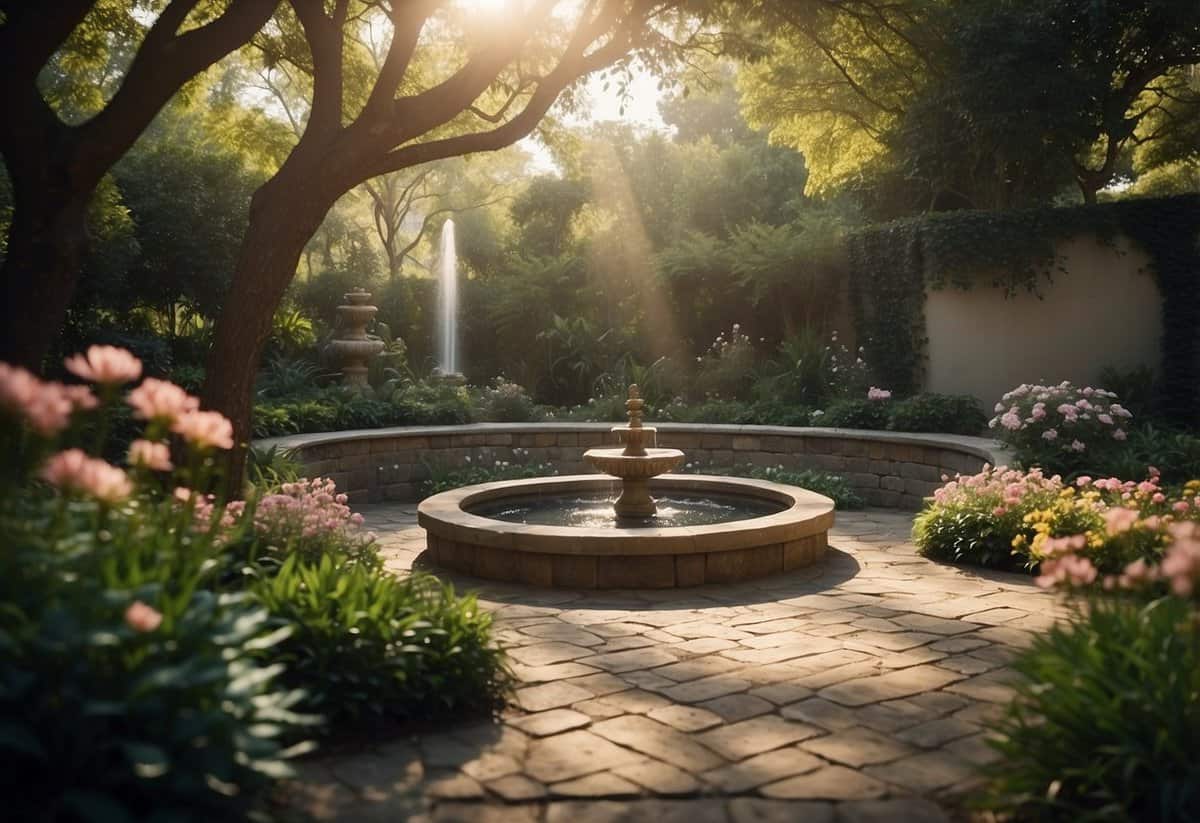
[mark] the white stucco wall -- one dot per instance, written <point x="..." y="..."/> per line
<point x="1103" y="311"/>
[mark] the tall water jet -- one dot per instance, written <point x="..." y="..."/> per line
<point x="447" y="348"/>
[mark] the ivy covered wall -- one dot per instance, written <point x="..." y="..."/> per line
<point x="893" y="265"/>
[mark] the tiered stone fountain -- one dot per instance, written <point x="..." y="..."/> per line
<point x="634" y="465"/>
<point x="354" y="349"/>
<point x="571" y="532"/>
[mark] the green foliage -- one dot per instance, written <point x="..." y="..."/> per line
<point x="1176" y="455"/>
<point x="976" y="519"/>
<point x="433" y="404"/>
<point x="855" y="413"/>
<point x="284" y="376"/>
<point x="485" y="467"/>
<point x="726" y="369"/>
<point x="269" y="467"/>
<point x="944" y="413"/>
<point x="833" y="486"/>
<point x="506" y="402"/>
<point x="106" y="714"/>
<point x="1121" y="683"/>
<point x="367" y="646"/>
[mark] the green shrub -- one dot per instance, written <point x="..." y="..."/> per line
<point x="365" y="645"/>
<point x="1176" y="455"/>
<point x="976" y="519"/>
<point x="283" y="377"/>
<point x="854" y="414"/>
<point x="506" y="402"/>
<point x="312" y="415"/>
<point x="272" y="421"/>
<point x="353" y="410"/>
<point x="1062" y="428"/>
<point x="943" y="413"/>
<point x="432" y="404"/>
<point x="779" y="413"/>
<point x="1107" y="723"/>
<point x="129" y="688"/>
<point x="833" y="486"/>
<point x="267" y="467"/>
<point x="726" y="369"/>
<point x="484" y="467"/>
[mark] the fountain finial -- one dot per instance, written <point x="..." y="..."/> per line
<point x="634" y="406"/>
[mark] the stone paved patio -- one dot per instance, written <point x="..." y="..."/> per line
<point x="858" y="690"/>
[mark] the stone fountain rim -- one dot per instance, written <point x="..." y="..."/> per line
<point x="445" y="516"/>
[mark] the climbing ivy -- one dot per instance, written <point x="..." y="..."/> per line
<point x="893" y="264"/>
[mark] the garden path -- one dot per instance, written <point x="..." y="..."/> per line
<point x="858" y="690"/>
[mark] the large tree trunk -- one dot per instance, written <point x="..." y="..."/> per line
<point x="46" y="244"/>
<point x="284" y="214"/>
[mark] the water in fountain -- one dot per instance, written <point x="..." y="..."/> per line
<point x="448" y="303"/>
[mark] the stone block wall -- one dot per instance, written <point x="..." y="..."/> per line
<point x="888" y="469"/>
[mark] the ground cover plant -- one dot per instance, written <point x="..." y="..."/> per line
<point x="158" y="643"/>
<point x="1120" y="681"/>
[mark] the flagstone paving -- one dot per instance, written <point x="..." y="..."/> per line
<point x="858" y="690"/>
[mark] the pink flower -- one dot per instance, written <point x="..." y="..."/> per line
<point x="160" y="400"/>
<point x="1180" y="506"/>
<point x="1120" y="520"/>
<point x="1077" y="445"/>
<point x="1082" y="480"/>
<point x="878" y="394"/>
<point x="1070" y="569"/>
<point x="1118" y="434"/>
<point x="73" y="470"/>
<point x="142" y="618"/>
<point x="1158" y="497"/>
<point x="1038" y="411"/>
<point x="1050" y="434"/>
<point x="205" y="429"/>
<point x="1105" y="419"/>
<point x="46" y="407"/>
<point x="150" y="455"/>
<point x="1010" y="421"/>
<point x="105" y="364"/>
<point x="999" y="511"/>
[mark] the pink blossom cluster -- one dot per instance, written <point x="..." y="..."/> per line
<point x="45" y="406"/>
<point x="203" y="506"/>
<point x="1071" y="418"/>
<point x="1179" y="568"/>
<point x="74" y="471"/>
<point x="1003" y="488"/>
<point x="874" y="393"/>
<point x="307" y="509"/>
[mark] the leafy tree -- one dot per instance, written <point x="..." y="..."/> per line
<point x="75" y="94"/>
<point x="453" y="81"/>
<point x="927" y="93"/>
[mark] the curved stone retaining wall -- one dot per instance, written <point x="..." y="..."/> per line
<point x="888" y="468"/>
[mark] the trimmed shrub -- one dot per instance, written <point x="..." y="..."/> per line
<point x="943" y="413"/>
<point x="365" y="645"/>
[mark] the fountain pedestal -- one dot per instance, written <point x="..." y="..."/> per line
<point x="634" y="465"/>
<point x="354" y="349"/>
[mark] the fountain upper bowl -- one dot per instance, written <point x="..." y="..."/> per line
<point x="618" y="464"/>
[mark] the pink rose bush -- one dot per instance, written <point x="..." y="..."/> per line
<point x="1011" y="518"/>
<point x="1061" y="424"/>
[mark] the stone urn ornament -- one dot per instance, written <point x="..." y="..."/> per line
<point x="352" y="348"/>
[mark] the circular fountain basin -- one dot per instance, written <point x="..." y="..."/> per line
<point x="754" y="529"/>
